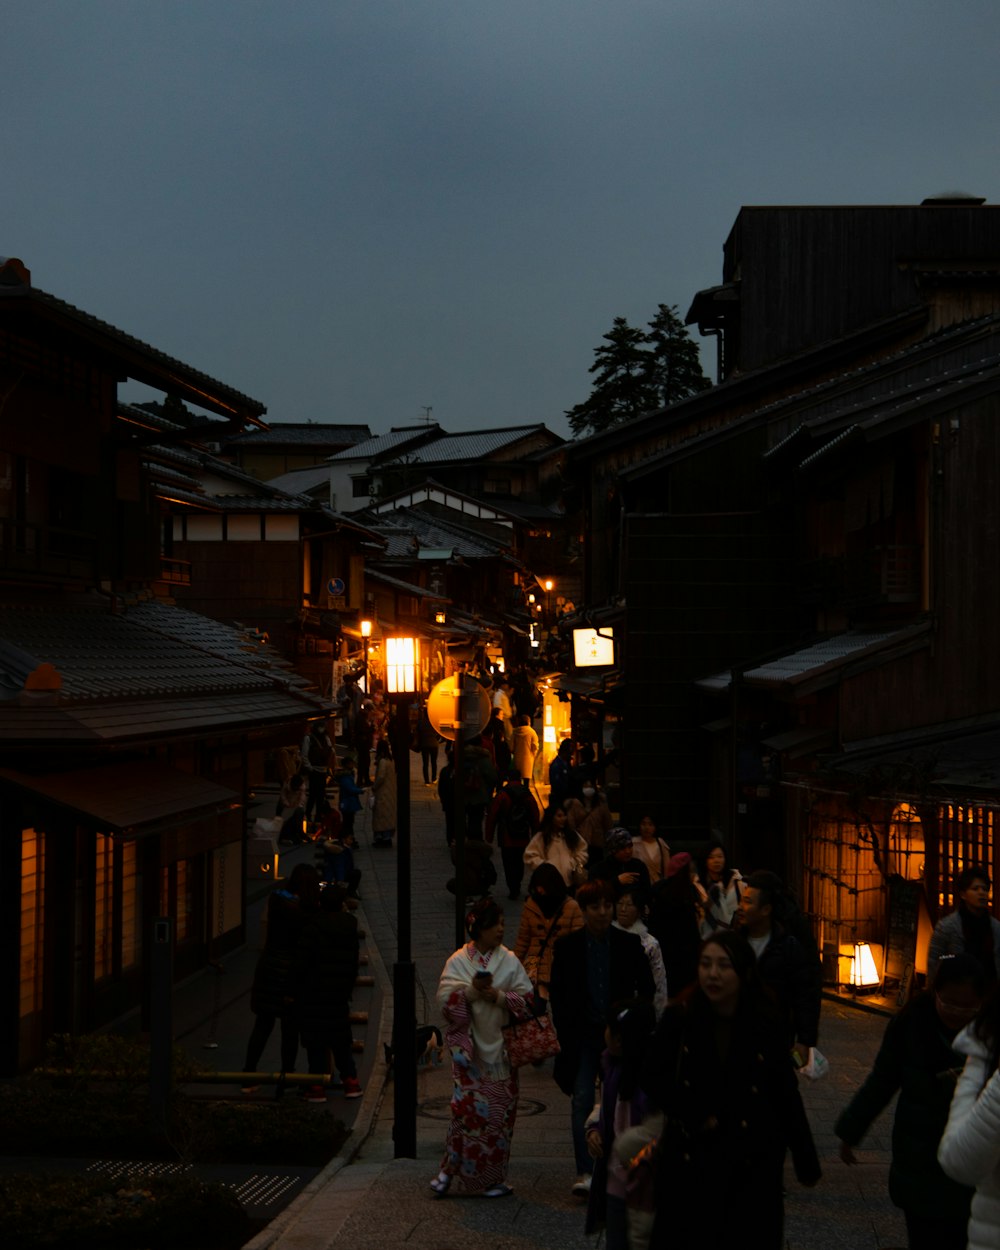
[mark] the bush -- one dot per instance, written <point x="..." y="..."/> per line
<point x="91" y="1099"/>
<point x="41" y="1119"/>
<point x="84" y="1213"/>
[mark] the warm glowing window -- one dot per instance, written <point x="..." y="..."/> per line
<point x="906" y="843"/>
<point x="966" y="838"/>
<point x="32" y="920"/>
<point x="177" y="898"/>
<point x="117" y="940"/>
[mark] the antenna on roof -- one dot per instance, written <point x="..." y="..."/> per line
<point x="427" y="412"/>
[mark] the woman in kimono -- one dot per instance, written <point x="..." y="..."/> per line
<point x="483" y="984"/>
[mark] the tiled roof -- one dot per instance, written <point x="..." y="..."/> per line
<point x="432" y="532"/>
<point x="379" y="444"/>
<point x="148" y="650"/>
<point x="146" y="672"/>
<point x="299" y="434"/>
<point x="298" y="481"/>
<point x="472" y="446"/>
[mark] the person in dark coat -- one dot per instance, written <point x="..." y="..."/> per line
<point x="591" y="968"/>
<point x="561" y="774"/>
<point x="317" y="759"/>
<point x="917" y="1060"/>
<point x="479" y="779"/>
<point x="675" y="922"/>
<point x="326" y="968"/>
<point x="619" y="866"/>
<point x="720" y="1071"/>
<point x="272" y="996"/>
<point x="513" y="818"/>
<point x="446" y="793"/>
<point x="428" y="740"/>
<point x="787" y="963"/>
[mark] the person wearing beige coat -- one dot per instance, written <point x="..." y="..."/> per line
<point x="548" y="915"/>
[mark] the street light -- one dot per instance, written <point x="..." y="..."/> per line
<point x="402" y="674"/>
<point x="366" y="633"/>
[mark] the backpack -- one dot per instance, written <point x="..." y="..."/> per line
<point x="517" y="830"/>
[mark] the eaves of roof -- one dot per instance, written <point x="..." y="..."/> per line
<point x="408" y="588"/>
<point x="968" y="378"/>
<point x="142" y="362"/>
<point x="740" y="392"/>
<point x="128" y="797"/>
<point x="820" y="664"/>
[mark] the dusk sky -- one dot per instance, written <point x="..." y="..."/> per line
<point x="352" y="211"/>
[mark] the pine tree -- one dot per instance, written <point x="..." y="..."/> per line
<point x="638" y="372"/>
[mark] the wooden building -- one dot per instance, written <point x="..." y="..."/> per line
<point x="131" y="730"/>
<point x="806" y="556"/>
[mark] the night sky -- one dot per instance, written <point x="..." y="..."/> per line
<point x="356" y="211"/>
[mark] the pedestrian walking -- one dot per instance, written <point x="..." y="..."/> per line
<point x="272" y="995"/>
<point x="317" y="760"/>
<point x="591" y="968"/>
<point x="970" y="1148"/>
<point x="326" y="968"/>
<point x="524" y="748"/>
<point x="548" y="914"/>
<point x="720" y="1071"/>
<point x="512" y="819"/>
<point x="384" y="792"/>
<point x="969" y="929"/>
<point x="482" y="986"/>
<point x="918" y="1060"/>
<point x="723" y="888"/>
<point x="556" y="843"/>
<point x="428" y="740"/>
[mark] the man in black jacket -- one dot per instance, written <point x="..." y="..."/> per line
<point x="591" y="968"/>
<point x="785" y="963"/>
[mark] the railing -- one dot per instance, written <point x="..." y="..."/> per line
<point x="47" y="550"/>
<point x="177" y="572"/>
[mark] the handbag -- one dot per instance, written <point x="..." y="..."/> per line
<point x="530" y="1041"/>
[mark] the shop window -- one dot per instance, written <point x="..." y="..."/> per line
<point x="177" y="898"/>
<point x="117" y="940"/>
<point x="32" y="921"/>
<point x="906" y="843"/>
<point x="966" y="837"/>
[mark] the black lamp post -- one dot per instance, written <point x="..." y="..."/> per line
<point x="402" y="670"/>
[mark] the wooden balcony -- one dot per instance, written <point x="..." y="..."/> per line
<point x="46" y="551"/>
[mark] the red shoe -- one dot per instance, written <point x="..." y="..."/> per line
<point x="352" y="1087"/>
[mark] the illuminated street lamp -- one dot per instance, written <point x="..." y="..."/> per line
<point x="366" y="633"/>
<point x="402" y="678"/>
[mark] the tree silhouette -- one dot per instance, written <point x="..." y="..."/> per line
<point x="639" y="371"/>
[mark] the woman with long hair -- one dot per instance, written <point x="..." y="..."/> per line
<point x="969" y="929"/>
<point x="720" y="1071"/>
<point x="917" y="1058"/>
<point x="556" y="843"/>
<point x="723" y="888"/>
<point x="482" y="985"/>
<point x="970" y="1148"/>
<point x="384" y="790"/>
<point x="548" y="915"/>
<point x="675" y="914"/>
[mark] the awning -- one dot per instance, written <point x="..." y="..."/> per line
<point x="595" y="687"/>
<point x="129" y="798"/>
<point x="822" y="663"/>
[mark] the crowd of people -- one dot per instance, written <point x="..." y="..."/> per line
<point x="685" y="997"/>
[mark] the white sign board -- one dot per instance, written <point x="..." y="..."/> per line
<point x="591" y="648"/>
